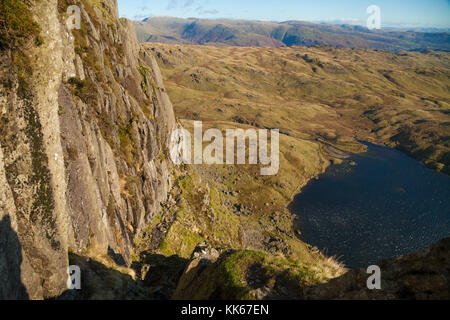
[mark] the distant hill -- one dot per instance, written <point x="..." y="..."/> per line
<point x="171" y="30"/>
<point x="401" y="100"/>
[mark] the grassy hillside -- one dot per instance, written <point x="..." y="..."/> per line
<point x="323" y="100"/>
<point x="272" y="34"/>
<point x="318" y="94"/>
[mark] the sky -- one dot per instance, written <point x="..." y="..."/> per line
<point x="394" y="13"/>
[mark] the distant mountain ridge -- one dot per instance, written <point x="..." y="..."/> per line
<point x="222" y="32"/>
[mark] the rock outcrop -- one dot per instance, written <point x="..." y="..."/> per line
<point x="240" y="275"/>
<point x="84" y="127"/>
<point x="200" y="264"/>
<point x="421" y="275"/>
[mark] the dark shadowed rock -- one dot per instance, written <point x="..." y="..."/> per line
<point x="203" y="257"/>
<point x="10" y="261"/>
<point x="421" y="275"/>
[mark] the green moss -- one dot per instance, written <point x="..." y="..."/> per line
<point x="106" y="16"/>
<point x="143" y="72"/>
<point x="80" y="42"/>
<point x="17" y="28"/>
<point x="190" y="192"/>
<point x="164" y="247"/>
<point x="157" y="219"/>
<point x="22" y="65"/>
<point x="237" y="273"/>
<point x="106" y="60"/>
<point x="234" y="269"/>
<point x="180" y="239"/>
<point x="212" y="221"/>
<point x="227" y="224"/>
<point x="288" y="272"/>
<point x="183" y="245"/>
<point x="84" y="89"/>
<point x="127" y="142"/>
<point x="18" y="31"/>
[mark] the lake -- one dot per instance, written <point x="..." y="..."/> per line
<point x="386" y="205"/>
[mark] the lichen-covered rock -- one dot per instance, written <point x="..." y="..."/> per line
<point x="85" y="122"/>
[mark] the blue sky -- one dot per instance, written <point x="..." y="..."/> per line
<point x="400" y="13"/>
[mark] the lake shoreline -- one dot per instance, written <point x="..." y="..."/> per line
<point x="381" y="181"/>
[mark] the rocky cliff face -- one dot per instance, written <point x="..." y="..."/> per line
<point x="84" y="127"/>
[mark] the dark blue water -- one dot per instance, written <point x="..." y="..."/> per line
<point x="387" y="205"/>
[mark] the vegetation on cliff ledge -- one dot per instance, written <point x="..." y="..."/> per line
<point x="16" y="27"/>
<point x="18" y="32"/>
